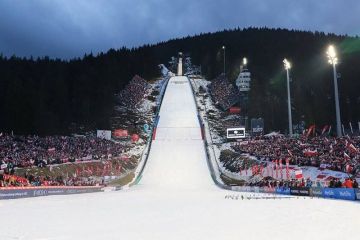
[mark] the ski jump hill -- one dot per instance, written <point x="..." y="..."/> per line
<point x="176" y="198"/>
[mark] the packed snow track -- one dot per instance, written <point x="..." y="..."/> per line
<point x="176" y="199"/>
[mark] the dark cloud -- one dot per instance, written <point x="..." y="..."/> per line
<point x="69" y="28"/>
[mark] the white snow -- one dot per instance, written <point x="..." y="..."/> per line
<point x="176" y="199"/>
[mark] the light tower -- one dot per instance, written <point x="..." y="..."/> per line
<point x="287" y="66"/>
<point x="333" y="60"/>
<point x="224" y="48"/>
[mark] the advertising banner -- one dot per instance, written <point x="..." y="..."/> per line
<point x="339" y="193"/>
<point x="283" y="190"/>
<point x="233" y="133"/>
<point x="257" y="126"/>
<point x="121" y="133"/>
<point x="345" y="193"/>
<point x="357" y="193"/>
<point x="316" y="192"/>
<point x="329" y="192"/>
<point x="269" y="190"/>
<point x="300" y="191"/>
<point x="25" y="192"/>
<point x="104" y="134"/>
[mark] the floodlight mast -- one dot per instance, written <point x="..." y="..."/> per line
<point x="287" y="66"/>
<point x="333" y="60"/>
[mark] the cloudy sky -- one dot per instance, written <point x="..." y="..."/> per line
<point x="70" y="28"/>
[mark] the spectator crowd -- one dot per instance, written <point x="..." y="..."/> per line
<point x="29" y="151"/>
<point x="338" y="154"/>
<point x="134" y="92"/>
<point x="223" y="93"/>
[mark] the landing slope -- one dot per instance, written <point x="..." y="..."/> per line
<point x="177" y="159"/>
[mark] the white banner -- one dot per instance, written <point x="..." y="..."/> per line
<point x="104" y="134"/>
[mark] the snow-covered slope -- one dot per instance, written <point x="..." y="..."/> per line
<point x="176" y="199"/>
<point x="177" y="159"/>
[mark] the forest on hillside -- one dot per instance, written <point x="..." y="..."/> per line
<point x="48" y="96"/>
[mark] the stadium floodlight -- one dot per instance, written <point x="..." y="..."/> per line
<point x="224" y="48"/>
<point x="333" y="60"/>
<point x="245" y="61"/>
<point x="287" y="66"/>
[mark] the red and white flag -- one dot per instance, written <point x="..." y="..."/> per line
<point x="352" y="148"/>
<point x="310" y="129"/>
<point x="324" y="129"/>
<point x="298" y="174"/>
<point x="290" y="153"/>
<point x="287" y="169"/>
<point x="310" y="153"/>
<point x="348" y="168"/>
<point x="346" y="156"/>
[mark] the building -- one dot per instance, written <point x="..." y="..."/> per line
<point x="243" y="80"/>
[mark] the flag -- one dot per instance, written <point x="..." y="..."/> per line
<point x="348" y="168"/>
<point x="310" y="153"/>
<point x="51" y="149"/>
<point x="287" y="168"/>
<point x="290" y="153"/>
<point x="310" y="129"/>
<point x="352" y="148"/>
<point x="298" y="174"/>
<point x="324" y="129"/>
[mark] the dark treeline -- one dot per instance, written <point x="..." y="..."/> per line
<point x="45" y="96"/>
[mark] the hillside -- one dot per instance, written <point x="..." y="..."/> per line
<point x="48" y="96"/>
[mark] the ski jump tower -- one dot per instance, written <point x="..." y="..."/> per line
<point x="180" y="67"/>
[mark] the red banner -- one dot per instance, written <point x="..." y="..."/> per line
<point x="120" y="133"/>
<point x="235" y="110"/>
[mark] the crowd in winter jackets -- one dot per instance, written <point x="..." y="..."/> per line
<point x="30" y="180"/>
<point x="223" y="93"/>
<point x="338" y="154"/>
<point x="28" y="151"/>
<point x="134" y="92"/>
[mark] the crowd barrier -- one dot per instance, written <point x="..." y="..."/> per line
<point x="334" y="193"/>
<point x="26" y="192"/>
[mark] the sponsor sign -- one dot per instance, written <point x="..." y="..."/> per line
<point x="234" y="110"/>
<point x="121" y="133"/>
<point x="339" y="193"/>
<point x="14" y="193"/>
<point x="104" y="134"/>
<point x="269" y="190"/>
<point x="345" y="193"/>
<point x="357" y="193"/>
<point x="316" y="192"/>
<point x="257" y="126"/>
<point x="329" y="192"/>
<point x="300" y="191"/>
<point x="282" y="190"/>
<point x="233" y="133"/>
